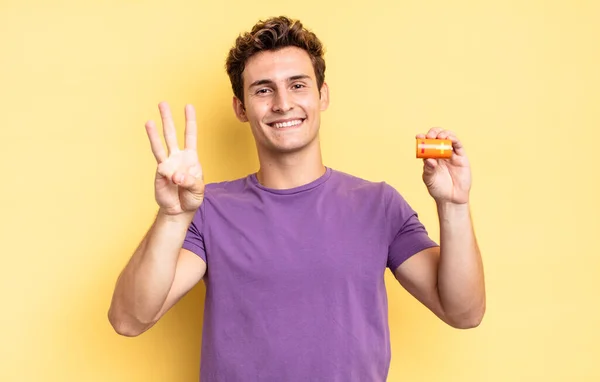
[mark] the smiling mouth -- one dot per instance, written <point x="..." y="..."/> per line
<point x="293" y="123"/>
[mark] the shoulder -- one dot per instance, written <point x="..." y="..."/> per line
<point x="226" y="188"/>
<point x="221" y="193"/>
<point x="374" y="194"/>
<point x="352" y="184"/>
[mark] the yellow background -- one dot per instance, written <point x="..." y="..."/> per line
<point x="518" y="81"/>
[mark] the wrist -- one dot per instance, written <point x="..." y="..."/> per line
<point x="184" y="218"/>
<point x="450" y="210"/>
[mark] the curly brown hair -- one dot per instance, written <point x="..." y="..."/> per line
<point x="273" y="34"/>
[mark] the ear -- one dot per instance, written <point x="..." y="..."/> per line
<point x="324" y="96"/>
<point x="239" y="110"/>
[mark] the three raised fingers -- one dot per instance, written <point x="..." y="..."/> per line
<point x="170" y="132"/>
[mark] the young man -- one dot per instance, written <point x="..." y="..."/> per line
<point x="294" y="256"/>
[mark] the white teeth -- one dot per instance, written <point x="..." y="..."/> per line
<point x="287" y="124"/>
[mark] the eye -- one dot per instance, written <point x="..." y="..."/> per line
<point x="263" y="91"/>
<point x="298" y="86"/>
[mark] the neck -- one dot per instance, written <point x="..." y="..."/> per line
<point x="290" y="170"/>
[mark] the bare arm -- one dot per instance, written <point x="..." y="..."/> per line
<point x="449" y="279"/>
<point x="160" y="272"/>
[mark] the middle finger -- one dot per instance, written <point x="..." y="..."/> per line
<point x="168" y="127"/>
<point x="433" y="132"/>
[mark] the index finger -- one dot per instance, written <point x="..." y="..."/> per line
<point x="155" y="143"/>
<point x="191" y="128"/>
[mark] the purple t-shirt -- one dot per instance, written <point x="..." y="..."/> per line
<point x="295" y="278"/>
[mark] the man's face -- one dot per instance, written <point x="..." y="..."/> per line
<point x="281" y="99"/>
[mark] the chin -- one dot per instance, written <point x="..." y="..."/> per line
<point x="291" y="146"/>
<point x="288" y="149"/>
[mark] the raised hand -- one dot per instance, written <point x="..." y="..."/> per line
<point x="179" y="181"/>
<point x="447" y="180"/>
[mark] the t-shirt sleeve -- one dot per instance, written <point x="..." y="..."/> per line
<point x="194" y="238"/>
<point x="408" y="235"/>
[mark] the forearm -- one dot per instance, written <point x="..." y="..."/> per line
<point x="460" y="274"/>
<point x="144" y="284"/>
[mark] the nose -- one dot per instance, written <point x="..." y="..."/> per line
<point x="282" y="102"/>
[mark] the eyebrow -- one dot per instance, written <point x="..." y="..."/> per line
<point x="268" y="82"/>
